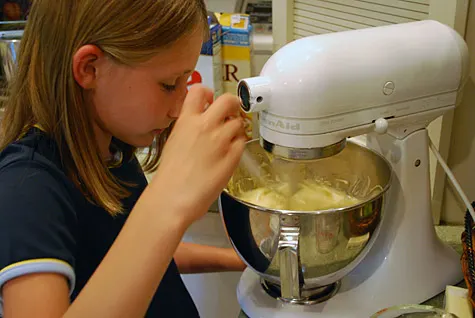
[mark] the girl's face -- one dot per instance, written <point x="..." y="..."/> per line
<point x="134" y="104"/>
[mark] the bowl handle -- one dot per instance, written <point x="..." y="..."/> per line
<point x="289" y="259"/>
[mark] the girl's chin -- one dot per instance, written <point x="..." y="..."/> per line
<point x="143" y="141"/>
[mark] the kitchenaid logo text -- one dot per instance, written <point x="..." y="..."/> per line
<point x="283" y="125"/>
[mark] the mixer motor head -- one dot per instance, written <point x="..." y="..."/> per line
<point x="315" y="92"/>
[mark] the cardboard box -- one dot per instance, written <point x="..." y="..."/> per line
<point x="236" y="54"/>
<point x="236" y="49"/>
<point x="208" y="69"/>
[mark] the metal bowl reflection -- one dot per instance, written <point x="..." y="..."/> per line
<point x="413" y="311"/>
<point x="299" y="252"/>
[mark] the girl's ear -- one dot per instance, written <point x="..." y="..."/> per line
<point x="85" y="65"/>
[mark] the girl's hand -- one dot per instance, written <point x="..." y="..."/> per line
<point x="201" y="153"/>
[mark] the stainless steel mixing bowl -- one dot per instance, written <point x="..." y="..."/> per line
<point x="302" y="255"/>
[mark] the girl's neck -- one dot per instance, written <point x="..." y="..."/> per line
<point x="103" y="139"/>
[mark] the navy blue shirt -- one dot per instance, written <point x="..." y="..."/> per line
<point x="47" y="225"/>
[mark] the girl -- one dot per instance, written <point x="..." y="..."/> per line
<point x="96" y="79"/>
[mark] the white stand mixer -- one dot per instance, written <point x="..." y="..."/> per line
<point x="389" y="83"/>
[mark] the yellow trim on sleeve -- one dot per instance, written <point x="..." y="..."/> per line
<point x="32" y="261"/>
<point x="26" y="128"/>
<point x="39" y="127"/>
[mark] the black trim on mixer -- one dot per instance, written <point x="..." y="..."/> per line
<point x="468" y="241"/>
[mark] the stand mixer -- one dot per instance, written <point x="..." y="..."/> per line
<point x="385" y="84"/>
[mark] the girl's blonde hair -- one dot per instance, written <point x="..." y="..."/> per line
<point x="44" y="91"/>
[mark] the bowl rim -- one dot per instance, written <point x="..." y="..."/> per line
<point x="320" y="212"/>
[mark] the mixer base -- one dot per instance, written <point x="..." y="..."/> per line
<point x="358" y="302"/>
<point x="309" y="296"/>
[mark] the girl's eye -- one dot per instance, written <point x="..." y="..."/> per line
<point x="169" y="88"/>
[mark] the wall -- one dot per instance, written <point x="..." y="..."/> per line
<point x="221" y="5"/>
<point x="462" y="150"/>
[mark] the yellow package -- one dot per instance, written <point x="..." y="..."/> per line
<point x="236" y="54"/>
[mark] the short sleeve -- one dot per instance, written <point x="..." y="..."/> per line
<point x="37" y="222"/>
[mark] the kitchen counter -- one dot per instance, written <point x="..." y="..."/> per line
<point x="449" y="234"/>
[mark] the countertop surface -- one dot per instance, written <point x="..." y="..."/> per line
<point x="449" y="234"/>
